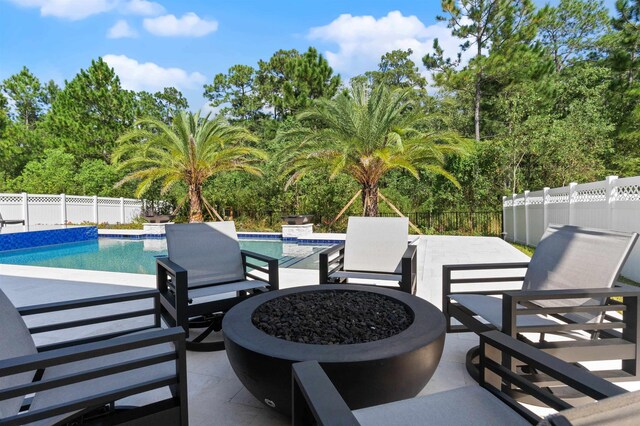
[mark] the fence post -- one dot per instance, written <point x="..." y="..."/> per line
<point x="121" y="209"/>
<point x="25" y="208"/>
<point x="526" y="217"/>
<point x="545" y="209"/>
<point x="572" y="207"/>
<point x="504" y="214"/>
<point x="513" y="213"/>
<point x="611" y="194"/>
<point x="63" y="209"/>
<point x="95" y="209"/>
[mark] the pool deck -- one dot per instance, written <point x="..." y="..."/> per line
<point x="214" y="390"/>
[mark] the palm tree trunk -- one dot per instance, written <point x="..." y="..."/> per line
<point x="195" y="204"/>
<point x="370" y="200"/>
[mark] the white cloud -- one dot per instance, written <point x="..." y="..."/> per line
<point x="80" y="9"/>
<point x="362" y="40"/>
<point x="190" y="25"/>
<point x="121" y="29"/>
<point x="150" y="76"/>
<point x="69" y="9"/>
<point x="142" y="7"/>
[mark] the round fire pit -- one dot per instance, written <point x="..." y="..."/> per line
<point x="395" y="361"/>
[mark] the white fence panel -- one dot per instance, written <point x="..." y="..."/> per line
<point x="132" y="209"/>
<point x="535" y="214"/>
<point x="57" y="209"/>
<point x="626" y="217"/>
<point x="11" y="206"/>
<point x="79" y="209"/>
<point x="590" y="205"/>
<point x="558" y="206"/>
<point x="43" y="208"/>
<point x="610" y="204"/>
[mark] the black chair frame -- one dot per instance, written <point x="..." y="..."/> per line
<point x="316" y="400"/>
<point x="614" y="337"/>
<point x="178" y="310"/>
<point x="98" y="409"/>
<point x="332" y="260"/>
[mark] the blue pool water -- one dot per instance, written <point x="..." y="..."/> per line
<point x="138" y="256"/>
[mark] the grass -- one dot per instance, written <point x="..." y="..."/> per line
<point x="528" y="250"/>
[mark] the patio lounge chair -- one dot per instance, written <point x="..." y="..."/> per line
<point x="316" y="400"/>
<point x="205" y="275"/>
<point x="84" y="380"/>
<point x="4" y="222"/>
<point x="376" y="248"/>
<point x="567" y="292"/>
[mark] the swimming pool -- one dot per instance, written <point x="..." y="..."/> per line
<point x="138" y="256"/>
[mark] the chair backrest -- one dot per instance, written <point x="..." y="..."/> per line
<point x="570" y="257"/>
<point x="376" y="244"/>
<point x="15" y="341"/>
<point x="210" y="252"/>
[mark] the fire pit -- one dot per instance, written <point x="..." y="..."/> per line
<point x="377" y="345"/>
<point x="299" y="219"/>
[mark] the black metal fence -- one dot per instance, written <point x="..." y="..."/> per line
<point x="464" y="223"/>
<point x="486" y="223"/>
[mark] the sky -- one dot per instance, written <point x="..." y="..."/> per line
<point x="184" y="43"/>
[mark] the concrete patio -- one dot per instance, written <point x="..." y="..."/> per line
<point x="216" y="396"/>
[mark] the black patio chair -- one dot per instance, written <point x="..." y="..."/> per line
<point x="85" y="380"/>
<point x="205" y="275"/>
<point x="4" y="222"/>
<point x="569" y="293"/>
<point x="376" y="248"/>
<point x="317" y="402"/>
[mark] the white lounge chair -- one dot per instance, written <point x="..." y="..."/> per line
<point x="376" y="248"/>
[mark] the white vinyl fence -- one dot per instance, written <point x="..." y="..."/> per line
<point x="48" y="209"/>
<point x="609" y="204"/>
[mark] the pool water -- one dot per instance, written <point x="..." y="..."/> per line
<point x="139" y="256"/>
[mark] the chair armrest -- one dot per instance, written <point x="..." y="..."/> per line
<point x="88" y="351"/>
<point x="522" y="302"/>
<point x="271" y="270"/>
<point x="409" y="269"/>
<point x="59" y="307"/>
<point x="447" y="280"/>
<point x="87" y="302"/>
<point x="178" y="274"/>
<point x="315" y="399"/>
<point x="575" y="377"/>
<point x="169" y="267"/>
<point x="257" y="256"/>
<point x="326" y="266"/>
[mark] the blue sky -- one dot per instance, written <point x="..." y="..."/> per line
<point x="152" y="44"/>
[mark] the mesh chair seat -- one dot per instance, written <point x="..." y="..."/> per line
<point x="468" y="405"/>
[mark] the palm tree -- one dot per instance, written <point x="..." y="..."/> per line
<point x="364" y="134"/>
<point x="190" y="151"/>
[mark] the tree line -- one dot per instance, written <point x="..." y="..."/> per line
<point x="544" y="96"/>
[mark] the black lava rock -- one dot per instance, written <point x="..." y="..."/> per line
<point x="332" y="317"/>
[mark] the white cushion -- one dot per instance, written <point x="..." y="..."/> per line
<point x="376" y="244"/>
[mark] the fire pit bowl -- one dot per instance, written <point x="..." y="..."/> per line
<point x="300" y="219"/>
<point x="372" y="373"/>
